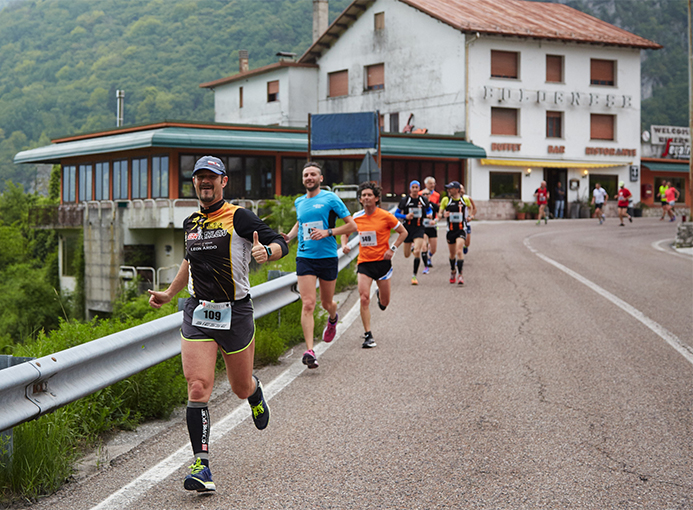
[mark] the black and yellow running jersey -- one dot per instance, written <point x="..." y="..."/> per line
<point x="218" y="245"/>
<point x="457" y="220"/>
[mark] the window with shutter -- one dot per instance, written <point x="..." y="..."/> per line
<point x="379" y="19"/>
<point x="272" y="91"/>
<point x="602" y="126"/>
<point x="554" y="124"/>
<point x="504" y="64"/>
<point x="602" y="72"/>
<point x="554" y="68"/>
<point x="503" y="121"/>
<point x="375" y="77"/>
<point x="339" y="83"/>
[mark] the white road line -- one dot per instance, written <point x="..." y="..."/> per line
<point x="135" y="489"/>
<point x="656" y="246"/>
<point x="662" y="332"/>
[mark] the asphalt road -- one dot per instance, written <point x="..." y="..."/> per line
<point x="559" y="376"/>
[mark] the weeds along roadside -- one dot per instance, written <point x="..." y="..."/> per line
<point x="46" y="449"/>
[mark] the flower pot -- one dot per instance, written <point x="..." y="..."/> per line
<point x="521" y="215"/>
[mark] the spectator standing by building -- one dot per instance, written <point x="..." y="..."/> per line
<point x="559" y="195"/>
<point x="316" y="259"/>
<point x="219" y="241"/>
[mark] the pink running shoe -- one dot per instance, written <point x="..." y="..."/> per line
<point x="310" y="359"/>
<point x="460" y="280"/>
<point x="330" y="330"/>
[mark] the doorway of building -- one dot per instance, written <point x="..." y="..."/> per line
<point x="553" y="176"/>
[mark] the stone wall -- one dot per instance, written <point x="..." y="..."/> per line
<point x="684" y="235"/>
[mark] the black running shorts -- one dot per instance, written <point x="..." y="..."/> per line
<point x="233" y="340"/>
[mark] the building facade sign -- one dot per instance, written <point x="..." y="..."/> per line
<point x="513" y="95"/>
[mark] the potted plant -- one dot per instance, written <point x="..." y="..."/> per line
<point x="532" y="210"/>
<point x="519" y="210"/>
<point x="639" y="208"/>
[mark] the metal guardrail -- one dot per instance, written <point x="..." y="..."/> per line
<point x="42" y="385"/>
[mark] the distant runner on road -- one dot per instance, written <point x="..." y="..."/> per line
<point x="454" y="210"/>
<point x="412" y="211"/>
<point x="375" y="253"/>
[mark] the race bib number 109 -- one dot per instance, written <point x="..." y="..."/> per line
<point x="212" y="315"/>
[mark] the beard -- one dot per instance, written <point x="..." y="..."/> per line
<point x="313" y="187"/>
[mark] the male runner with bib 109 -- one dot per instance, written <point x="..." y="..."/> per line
<point x="316" y="260"/>
<point x="219" y="241"/>
<point x="375" y="253"/>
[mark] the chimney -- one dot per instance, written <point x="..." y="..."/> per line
<point x="242" y="60"/>
<point x="320" y="18"/>
<point x="120" y="107"/>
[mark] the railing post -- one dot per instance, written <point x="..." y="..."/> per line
<point x="6" y="436"/>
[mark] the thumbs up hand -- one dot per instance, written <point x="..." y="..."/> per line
<point x="259" y="251"/>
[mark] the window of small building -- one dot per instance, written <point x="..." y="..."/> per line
<point x="394" y="123"/>
<point x="186" y="165"/>
<point x="379" y="20"/>
<point x="235" y="187"/>
<point x="505" y="64"/>
<point x="69" y="183"/>
<point x="139" y="178"/>
<point x="554" y="124"/>
<point x="272" y="91"/>
<point x="375" y="77"/>
<point x="160" y="177"/>
<point x="602" y="126"/>
<point x="381" y="122"/>
<point x="70" y="245"/>
<point x="120" y="180"/>
<point x="504" y="121"/>
<point x="554" y="68"/>
<point x="505" y="185"/>
<point x="338" y="83"/>
<point x="602" y="72"/>
<point x="86" y="173"/>
<point x="102" y="182"/>
<point x="240" y="97"/>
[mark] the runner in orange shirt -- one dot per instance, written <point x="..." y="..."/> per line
<point x="375" y="252"/>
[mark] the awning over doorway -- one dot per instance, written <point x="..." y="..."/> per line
<point x="660" y="166"/>
<point x="549" y="164"/>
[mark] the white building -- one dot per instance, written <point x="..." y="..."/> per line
<point x="549" y="92"/>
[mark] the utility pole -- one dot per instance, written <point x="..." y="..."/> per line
<point x="690" y="108"/>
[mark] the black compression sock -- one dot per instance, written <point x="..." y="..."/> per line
<point x="256" y="396"/>
<point x="452" y="264"/>
<point x="197" y="418"/>
<point x="460" y="263"/>
<point x="417" y="262"/>
<point x="424" y="257"/>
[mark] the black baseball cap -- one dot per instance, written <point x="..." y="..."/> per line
<point x="210" y="163"/>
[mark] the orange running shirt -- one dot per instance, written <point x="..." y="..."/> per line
<point x="374" y="234"/>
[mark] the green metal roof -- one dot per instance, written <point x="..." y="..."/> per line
<point x="666" y="167"/>
<point x="237" y="139"/>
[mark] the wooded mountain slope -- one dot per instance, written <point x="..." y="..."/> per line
<point x="61" y="61"/>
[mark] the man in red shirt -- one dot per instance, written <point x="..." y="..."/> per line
<point x="623" y="197"/>
<point x="542" y="195"/>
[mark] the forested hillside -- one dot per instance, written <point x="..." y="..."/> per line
<point x="61" y="61"/>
